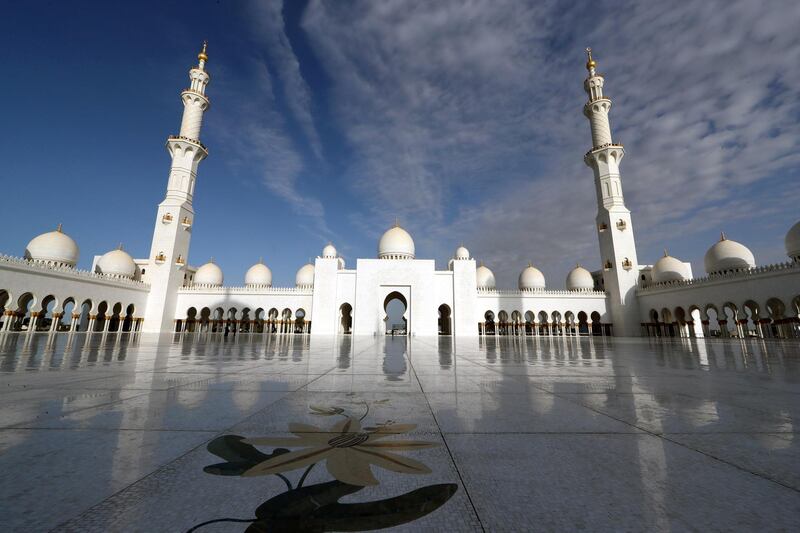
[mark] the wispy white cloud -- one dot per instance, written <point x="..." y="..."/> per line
<point x="270" y="30"/>
<point x="256" y="137"/>
<point x="465" y="117"/>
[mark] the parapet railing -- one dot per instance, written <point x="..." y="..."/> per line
<point x="41" y="266"/>
<point x="600" y="147"/>
<point x="541" y="293"/>
<point x="755" y="272"/>
<point x="254" y="289"/>
<point x="182" y="138"/>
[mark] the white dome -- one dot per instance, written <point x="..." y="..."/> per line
<point x="53" y="247"/>
<point x="305" y="276"/>
<point x="329" y="252"/>
<point x="116" y="263"/>
<point x="792" y="242"/>
<point x="396" y="243"/>
<point x="209" y="274"/>
<point x="258" y="275"/>
<point x="531" y="278"/>
<point x="728" y="255"/>
<point x="485" y="278"/>
<point x="669" y="268"/>
<point x="461" y="253"/>
<point x="580" y="279"/>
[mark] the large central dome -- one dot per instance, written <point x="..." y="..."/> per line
<point x="396" y="243"/>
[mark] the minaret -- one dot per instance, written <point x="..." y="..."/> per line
<point x="173" y="229"/>
<point x="615" y="231"/>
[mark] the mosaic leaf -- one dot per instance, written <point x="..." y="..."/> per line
<point x="315" y="508"/>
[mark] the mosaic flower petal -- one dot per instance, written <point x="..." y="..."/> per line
<point x="289" y="461"/>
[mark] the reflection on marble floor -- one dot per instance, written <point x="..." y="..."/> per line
<point x="137" y="433"/>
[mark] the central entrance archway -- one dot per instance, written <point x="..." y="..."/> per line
<point x="395" y="308"/>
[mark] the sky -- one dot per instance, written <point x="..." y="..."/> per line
<point x="462" y="119"/>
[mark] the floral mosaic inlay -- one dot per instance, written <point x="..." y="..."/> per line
<point x="349" y="451"/>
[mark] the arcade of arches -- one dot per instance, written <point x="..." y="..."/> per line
<point x="31" y="313"/>
<point x="772" y="320"/>
<point x="543" y="324"/>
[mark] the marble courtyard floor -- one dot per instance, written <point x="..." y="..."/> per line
<point x="120" y="433"/>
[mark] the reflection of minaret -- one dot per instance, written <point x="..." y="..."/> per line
<point x="170" y="247"/>
<point x="615" y="230"/>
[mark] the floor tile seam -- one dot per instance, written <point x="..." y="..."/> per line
<point x="736" y="405"/>
<point x="686" y="446"/>
<point x="113" y="430"/>
<point x="214" y="434"/>
<point x="665" y="436"/>
<point x="447" y="448"/>
<point x="106" y="404"/>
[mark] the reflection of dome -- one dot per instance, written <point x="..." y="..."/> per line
<point x="580" y="279"/>
<point x="305" y="276"/>
<point x="461" y="253"/>
<point x="485" y="278"/>
<point x="396" y="243"/>
<point x="531" y="278"/>
<point x="258" y="275"/>
<point x="209" y="274"/>
<point x="53" y="247"/>
<point x="329" y="252"/>
<point x="669" y="268"/>
<point x="792" y="242"/>
<point x="728" y="255"/>
<point x="117" y="263"/>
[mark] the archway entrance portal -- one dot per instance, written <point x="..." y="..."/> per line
<point x="395" y="318"/>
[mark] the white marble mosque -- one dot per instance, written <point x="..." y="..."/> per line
<point x="43" y="290"/>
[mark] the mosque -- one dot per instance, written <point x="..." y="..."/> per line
<point x="43" y="290"/>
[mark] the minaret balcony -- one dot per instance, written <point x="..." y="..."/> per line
<point x="602" y="146"/>
<point x="186" y="223"/>
<point x="621" y="224"/>
<point x="187" y="139"/>
<point x="160" y="258"/>
<point x="167" y="218"/>
<point x="627" y="264"/>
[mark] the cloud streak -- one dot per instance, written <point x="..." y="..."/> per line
<point x="464" y="118"/>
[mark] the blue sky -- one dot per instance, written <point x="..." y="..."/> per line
<point x="462" y="119"/>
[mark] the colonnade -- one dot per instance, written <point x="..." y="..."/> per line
<point x="544" y="329"/>
<point x="269" y="325"/>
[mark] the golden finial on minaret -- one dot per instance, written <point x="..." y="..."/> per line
<point x="590" y="63"/>
<point x="202" y="56"/>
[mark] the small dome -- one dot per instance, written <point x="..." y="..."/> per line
<point x="792" y="242"/>
<point x="580" y="279"/>
<point x="484" y="277"/>
<point x="209" y="274"/>
<point x="531" y="278"/>
<point x="728" y="255"/>
<point x="396" y="243"/>
<point x="461" y="253"/>
<point x="53" y="247"/>
<point x="117" y="263"/>
<point x="669" y="268"/>
<point x="305" y="276"/>
<point x="329" y="252"/>
<point x="258" y="275"/>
